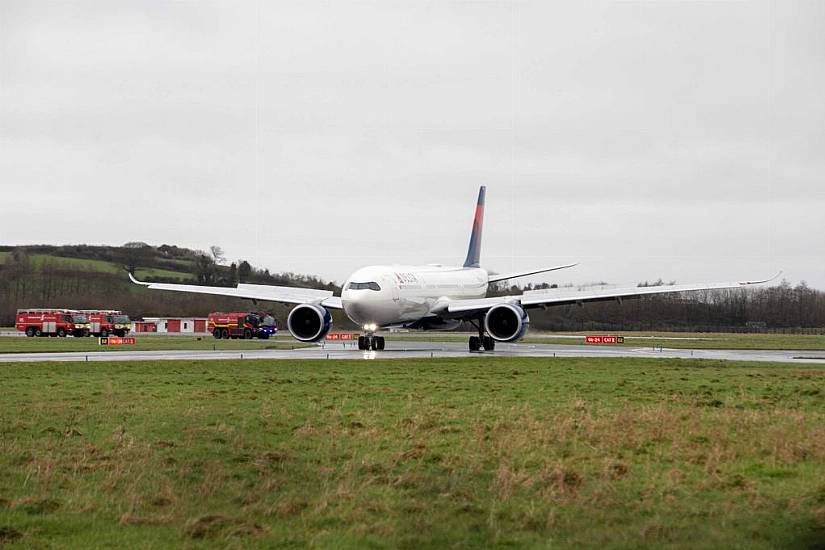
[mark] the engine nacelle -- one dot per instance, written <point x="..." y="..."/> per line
<point x="309" y="322"/>
<point x="506" y="322"/>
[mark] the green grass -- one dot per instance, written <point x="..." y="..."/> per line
<point x="144" y="343"/>
<point x="38" y="260"/>
<point x="143" y="272"/>
<point x="565" y="453"/>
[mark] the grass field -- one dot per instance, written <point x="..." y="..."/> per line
<point x="413" y="453"/>
<point x="144" y="343"/>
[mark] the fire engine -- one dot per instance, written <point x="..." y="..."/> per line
<point x="52" y="322"/>
<point x="241" y="325"/>
<point x="106" y="322"/>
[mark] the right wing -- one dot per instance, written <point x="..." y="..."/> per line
<point x="269" y="293"/>
<point x="561" y="296"/>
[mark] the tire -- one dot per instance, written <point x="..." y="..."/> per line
<point x="381" y="342"/>
<point x="30" y="332"/>
<point x="217" y="333"/>
<point x="104" y="333"/>
<point x="61" y="333"/>
<point x="475" y="343"/>
<point x="374" y="343"/>
<point x="225" y="333"/>
<point x="247" y="334"/>
<point x="363" y="343"/>
<point x="38" y="332"/>
<point x="488" y="343"/>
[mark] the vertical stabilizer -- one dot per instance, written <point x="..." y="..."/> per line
<point x="474" y="250"/>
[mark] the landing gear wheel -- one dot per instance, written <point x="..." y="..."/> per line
<point x="475" y="343"/>
<point x="488" y="343"/>
<point x="377" y="343"/>
<point x="30" y="332"/>
<point x="363" y="343"/>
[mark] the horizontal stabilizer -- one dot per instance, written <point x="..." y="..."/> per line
<point x="504" y="276"/>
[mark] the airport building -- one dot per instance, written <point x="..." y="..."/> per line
<point x="170" y="325"/>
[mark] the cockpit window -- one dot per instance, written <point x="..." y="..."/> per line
<point x="364" y="286"/>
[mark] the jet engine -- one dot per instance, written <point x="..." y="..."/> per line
<point x="309" y="322"/>
<point x="506" y="322"/>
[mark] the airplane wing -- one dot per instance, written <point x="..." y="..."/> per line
<point x="269" y="293"/>
<point x="503" y="277"/>
<point x="562" y="296"/>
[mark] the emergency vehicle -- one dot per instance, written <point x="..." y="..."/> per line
<point x="241" y="325"/>
<point x="52" y="322"/>
<point x="106" y="322"/>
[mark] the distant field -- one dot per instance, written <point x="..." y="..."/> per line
<point x="562" y="453"/>
<point x="102" y="266"/>
<point x="144" y="343"/>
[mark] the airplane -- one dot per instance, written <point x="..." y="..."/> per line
<point x="429" y="297"/>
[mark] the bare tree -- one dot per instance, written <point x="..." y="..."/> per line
<point x="217" y="254"/>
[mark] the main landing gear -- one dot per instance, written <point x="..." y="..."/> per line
<point x="371" y="342"/>
<point x="482" y="341"/>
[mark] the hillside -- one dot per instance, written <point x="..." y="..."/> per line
<point x="85" y="277"/>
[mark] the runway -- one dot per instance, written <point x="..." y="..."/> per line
<point x="411" y="350"/>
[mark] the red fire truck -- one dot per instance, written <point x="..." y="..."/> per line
<point x="51" y="322"/>
<point x="106" y="322"/>
<point x="241" y="325"/>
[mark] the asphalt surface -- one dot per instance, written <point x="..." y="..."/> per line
<point x="409" y="350"/>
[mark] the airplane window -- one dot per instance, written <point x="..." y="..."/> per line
<point x="364" y="286"/>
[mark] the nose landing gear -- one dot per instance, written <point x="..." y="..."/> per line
<point x="370" y="342"/>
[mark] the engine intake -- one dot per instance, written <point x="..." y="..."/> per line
<point x="506" y="322"/>
<point x="309" y="322"/>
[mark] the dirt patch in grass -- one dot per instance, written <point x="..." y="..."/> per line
<point x="9" y="534"/>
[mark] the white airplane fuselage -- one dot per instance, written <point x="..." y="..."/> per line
<point x="406" y="293"/>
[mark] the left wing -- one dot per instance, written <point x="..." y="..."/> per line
<point x="269" y="293"/>
<point x="561" y="296"/>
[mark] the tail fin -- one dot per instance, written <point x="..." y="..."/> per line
<point x="474" y="250"/>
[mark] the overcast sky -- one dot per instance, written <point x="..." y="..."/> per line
<point x="682" y="140"/>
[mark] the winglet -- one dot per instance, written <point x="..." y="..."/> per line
<point x="746" y="283"/>
<point x="132" y="277"/>
<point x="474" y="250"/>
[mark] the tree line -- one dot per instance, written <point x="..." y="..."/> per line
<point x="50" y="282"/>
